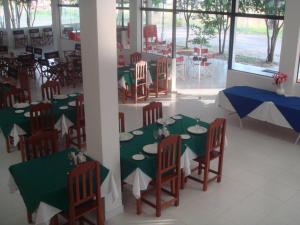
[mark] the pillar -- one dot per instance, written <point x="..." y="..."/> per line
<point x="99" y="64"/>
<point x="135" y="26"/>
<point x="56" y="25"/>
<point x="289" y="57"/>
<point x="10" y="39"/>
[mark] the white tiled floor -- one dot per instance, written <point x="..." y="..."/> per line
<point x="261" y="183"/>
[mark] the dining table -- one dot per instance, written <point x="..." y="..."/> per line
<point x="17" y="118"/>
<point x="139" y="172"/>
<point x="43" y="183"/>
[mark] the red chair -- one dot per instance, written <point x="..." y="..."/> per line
<point x="41" y="117"/>
<point x="151" y="113"/>
<point x="121" y="60"/>
<point x="49" y="89"/>
<point x="79" y="140"/>
<point x="84" y="194"/>
<point x="13" y="96"/>
<point x="121" y="122"/>
<point x="140" y="87"/>
<point x="10" y="98"/>
<point x="214" y="150"/>
<point x="39" y="144"/>
<point x="160" y="84"/>
<point x="135" y="58"/>
<point x="167" y="172"/>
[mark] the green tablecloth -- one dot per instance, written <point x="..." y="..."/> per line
<point x="12" y="118"/>
<point x="46" y="180"/>
<point x="197" y="144"/>
<point x="127" y="72"/>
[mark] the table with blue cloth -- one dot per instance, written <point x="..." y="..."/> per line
<point x="246" y="99"/>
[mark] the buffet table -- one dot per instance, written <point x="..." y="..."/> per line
<point x="262" y="105"/>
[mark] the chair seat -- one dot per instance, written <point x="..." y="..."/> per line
<point x="82" y="209"/>
<point x="213" y="155"/>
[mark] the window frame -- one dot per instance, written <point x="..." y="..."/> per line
<point x="233" y="14"/>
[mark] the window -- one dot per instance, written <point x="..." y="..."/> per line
<point x="123" y="13"/>
<point x="30" y="13"/>
<point x="70" y="19"/>
<point x="298" y="79"/>
<point x="159" y="4"/>
<point x="258" y="36"/>
<point x="2" y="16"/>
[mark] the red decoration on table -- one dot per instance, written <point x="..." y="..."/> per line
<point x="280" y="78"/>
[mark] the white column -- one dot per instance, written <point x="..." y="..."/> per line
<point x="135" y="26"/>
<point x="173" y="75"/>
<point x="149" y="13"/>
<point x="56" y="25"/>
<point x="289" y="57"/>
<point x="99" y="64"/>
<point x="10" y="41"/>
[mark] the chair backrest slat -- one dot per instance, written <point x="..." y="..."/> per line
<point x="121" y="122"/>
<point x="49" y="89"/>
<point x="168" y="155"/>
<point x="151" y="113"/>
<point x="135" y="57"/>
<point x="41" y="117"/>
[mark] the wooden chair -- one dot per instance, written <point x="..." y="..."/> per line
<point x="135" y="57"/>
<point x="160" y="84"/>
<point x="49" y="89"/>
<point x="84" y="194"/>
<point x="10" y="98"/>
<point x="140" y="87"/>
<point x="214" y="150"/>
<point x="39" y="144"/>
<point x="25" y="85"/>
<point x="79" y="140"/>
<point x="121" y="122"/>
<point x="41" y="117"/>
<point x="151" y="113"/>
<point x="167" y="172"/>
<point x="13" y="96"/>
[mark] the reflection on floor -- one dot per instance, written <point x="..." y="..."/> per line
<point x="261" y="184"/>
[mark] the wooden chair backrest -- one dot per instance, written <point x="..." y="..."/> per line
<point x="216" y="136"/>
<point x="38" y="52"/>
<point x="29" y="49"/>
<point x="13" y="96"/>
<point x="152" y="112"/>
<point x="41" y="117"/>
<point x="141" y="72"/>
<point x="52" y="55"/>
<point x="79" y="110"/>
<point x="121" y="122"/>
<point x="135" y="57"/>
<point x="49" y="89"/>
<point x="40" y="144"/>
<point x="84" y="185"/>
<point x="168" y="156"/>
<point x="161" y="67"/>
<point x="24" y="81"/>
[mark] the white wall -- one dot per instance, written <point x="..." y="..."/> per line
<point x="288" y="59"/>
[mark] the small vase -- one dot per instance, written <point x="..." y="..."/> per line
<point x="280" y="90"/>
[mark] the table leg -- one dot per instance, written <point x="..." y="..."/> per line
<point x="139" y="206"/>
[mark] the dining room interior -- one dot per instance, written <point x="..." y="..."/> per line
<point x="174" y="112"/>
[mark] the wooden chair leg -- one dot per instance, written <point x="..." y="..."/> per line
<point x="158" y="200"/>
<point x="29" y="217"/>
<point x="182" y="179"/>
<point x="177" y="191"/>
<point x="100" y="213"/>
<point x="220" y="168"/>
<point x="139" y="206"/>
<point x="54" y="220"/>
<point x="205" y="178"/>
<point x="7" y="145"/>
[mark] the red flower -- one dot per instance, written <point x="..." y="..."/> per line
<point x="280" y="78"/>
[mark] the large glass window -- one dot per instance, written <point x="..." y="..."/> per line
<point x="160" y="4"/>
<point x="257" y="42"/>
<point x="31" y="13"/>
<point x="70" y="19"/>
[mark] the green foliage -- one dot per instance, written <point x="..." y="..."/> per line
<point x="203" y="34"/>
<point x="268" y="7"/>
